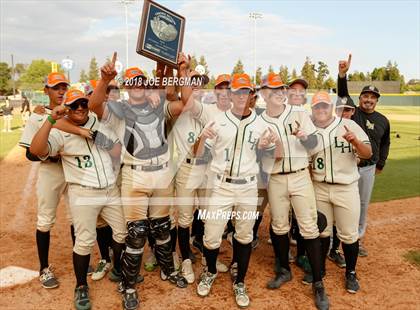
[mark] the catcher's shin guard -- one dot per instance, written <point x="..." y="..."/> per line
<point x="132" y="255"/>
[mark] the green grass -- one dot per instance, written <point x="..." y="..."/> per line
<point x="401" y="175"/>
<point x="412" y="110"/>
<point x="9" y="139"/>
<point x="413" y="257"/>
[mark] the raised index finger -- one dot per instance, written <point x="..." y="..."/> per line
<point x="346" y="128"/>
<point x="349" y="60"/>
<point x="114" y="58"/>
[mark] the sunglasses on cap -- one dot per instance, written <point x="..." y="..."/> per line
<point x="78" y="103"/>
<point x="346" y="109"/>
<point x="241" y="92"/>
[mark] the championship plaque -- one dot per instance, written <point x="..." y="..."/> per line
<point x="161" y="33"/>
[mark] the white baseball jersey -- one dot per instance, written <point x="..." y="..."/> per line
<point x="295" y="154"/>
<point x="32" y="126"/>
<point x="83" y="162"/>
<point x="206" y="112"/>
<point x="335" y="160"/>
<point x="146" y="132"/>
<point x="234" y="148"/>
<point x="185" y="130"/>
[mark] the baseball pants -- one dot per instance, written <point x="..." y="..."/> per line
<point x="366" y="182"/>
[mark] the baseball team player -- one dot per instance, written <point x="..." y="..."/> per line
<point x="233" y="139"/>
<point x="335" y="175"/>
<point x="146" y="184"/>
<point x="92" y="183"/>
<point x="51" y="183"/>
<point x="190" y="174"/>
<point x="377" y="128"/>
<point x="202" y="115"/>
<point x="290" y="184"/>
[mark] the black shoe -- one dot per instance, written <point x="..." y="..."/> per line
<point x="321" y="298"/>
<point x="308" y="278"/>
<point x="130" y="299"/>
<point x="81" y="298"/>
<point x="352" y="284"/>
<point x="281" y="277"/>
<point x="337" y="258"/>
<point x="175" y="278"/>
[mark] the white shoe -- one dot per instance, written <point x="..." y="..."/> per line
<point x="187" y="271"/>
<point x="219" y="265"/>
<point x="241" y="296"/>
<point x="206" y="281"/>
<point x="101" y="270"/>
<point x="177" y="262"/>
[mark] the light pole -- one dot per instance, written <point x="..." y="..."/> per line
<point x="255" y="16"/>
<point x="126" y="3"/>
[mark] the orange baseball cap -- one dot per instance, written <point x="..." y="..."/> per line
<point x="239" y="81"/>
<point x="55" y="78"/>
<point x="132" y="73"/>
<point x="73" y="95"/>
<point x="321" y="96"/>
<point x="272" y="80"/>
<point x="222" y="78"/>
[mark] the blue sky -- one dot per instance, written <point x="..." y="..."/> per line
<point x="373" y="31"/>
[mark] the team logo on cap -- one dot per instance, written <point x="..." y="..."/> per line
<point x="344" y="100"/>
<point x="242" y="80"/>
<point x="371" y="87"/>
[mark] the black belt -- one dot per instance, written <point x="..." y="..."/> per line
<point x="196" y="161"/>
<point x="149" y="168"/>
<point x="299" y="170"/>
<point x="236" y="181"/>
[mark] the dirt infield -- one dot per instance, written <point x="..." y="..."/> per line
<point x="387" y="280"/>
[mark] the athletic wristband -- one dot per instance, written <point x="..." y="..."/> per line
<point x="51" y="120"/>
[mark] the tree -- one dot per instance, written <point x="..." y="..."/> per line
<point x="329" y="83"/>
<point x="239" y="67"/>
<point x="322" y="73"/>
<point x="5" y="78"/>
<point x="83" y="76"/>
<point x="210" y="84"/>
<point x="33" y="77"/>
<point x="203" y="63"/>
<point x="270" y="69"/>
<point x="284" y="74"/>
<point x="378" y="74"/>
<point x="19" y="70"/>
<point x="193" y="62"/>
<point x="258" y="76"/>
<point x="294" y="74"/>
<point x="93" y="70"/>
<point x="308" y="73"/>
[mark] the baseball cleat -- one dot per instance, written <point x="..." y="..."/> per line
<point x="281" y="277"/>
<point x="206" y="281"/>
<point x="175" y="278"/>
<point x="321" y="298"/>
<point x="101" y="270"/>
<point x="241" y="296"/>
<point x="352" y="284"/>
<point x="187" y="271"/>
<point x="47" y="278"/>
<point x="81" y="298"/>
<point x="362" y="251"/>
<point x="130" y="299"/>
<point x="151" y="263"/>
<point x="337" y="258"/>
<point x="234" y="271"/>
<point x="302" y="262"/>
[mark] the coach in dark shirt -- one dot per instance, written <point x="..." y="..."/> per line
<point x="377" y="128"/>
